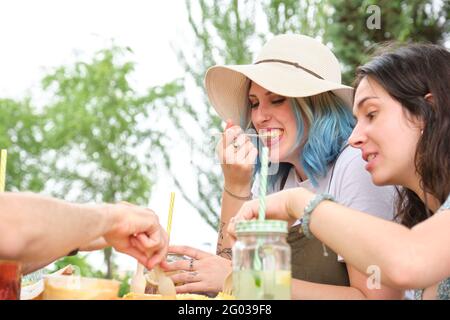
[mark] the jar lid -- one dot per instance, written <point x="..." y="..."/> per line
<point x="257" y="226"/>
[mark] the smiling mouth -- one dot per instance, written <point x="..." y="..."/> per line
<point x="271" y="136"/>
<point x="371" y="157"/>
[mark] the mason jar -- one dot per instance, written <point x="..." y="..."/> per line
<point x="261" y="261"/>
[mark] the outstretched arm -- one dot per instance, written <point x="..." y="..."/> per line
<point x="36" y="229"/>
<point x="406" y="258"/>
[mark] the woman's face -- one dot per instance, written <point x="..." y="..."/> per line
<point x="386" y="134"/>
<point x="272" y="114"/>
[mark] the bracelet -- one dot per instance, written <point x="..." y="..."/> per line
<point x="238" y="197"/>
<point x="308" y="211"/>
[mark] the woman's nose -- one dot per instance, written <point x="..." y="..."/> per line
<point x="357" y="138"/>
<point x="262" y="114"/>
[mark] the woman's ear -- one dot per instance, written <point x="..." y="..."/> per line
<point x="429" y="97"/>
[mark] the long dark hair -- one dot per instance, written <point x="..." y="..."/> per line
<point x="408" y="73"/>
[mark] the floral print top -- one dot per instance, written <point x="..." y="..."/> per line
<point x="443" y="290"/>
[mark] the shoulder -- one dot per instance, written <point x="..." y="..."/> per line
<point x="353" y="187"/>
<point x="350" y="156"/>
<point x="446" y="205"/>
<point x="350" y="168"/>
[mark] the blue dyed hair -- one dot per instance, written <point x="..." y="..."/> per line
<point x="329" y="122"/>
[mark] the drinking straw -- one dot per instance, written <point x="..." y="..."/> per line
<point x="169" y="219"/>
<point x="3" y="155"/>
<point x="263" y="183"/>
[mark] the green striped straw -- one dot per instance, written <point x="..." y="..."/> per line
<point x="263" y="183"/>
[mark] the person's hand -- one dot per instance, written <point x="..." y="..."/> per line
<point x="97" y="244"/>
<point x="237" y="156"/>
<point x="284" y="205"/>
<point x="136" y="231"/>
<point x="205" y="272"/>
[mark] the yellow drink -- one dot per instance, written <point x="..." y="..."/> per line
<point x="262" y="285"/>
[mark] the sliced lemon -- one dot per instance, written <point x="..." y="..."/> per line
<point x="283" y="278"/>
<point x="151" y="278"/>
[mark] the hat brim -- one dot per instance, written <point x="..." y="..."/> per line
<point x="226" y="86"/>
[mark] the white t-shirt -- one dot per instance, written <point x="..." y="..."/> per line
<point x="351" y="185"/>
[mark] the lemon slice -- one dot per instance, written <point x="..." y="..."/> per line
<point x="283" y="278"/>
<point x="152" y="278"/>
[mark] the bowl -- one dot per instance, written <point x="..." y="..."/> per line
<point x="62" y="287"/>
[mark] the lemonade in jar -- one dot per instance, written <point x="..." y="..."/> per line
<point x="261" y="261"/>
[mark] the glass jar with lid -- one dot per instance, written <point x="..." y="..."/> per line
<point x="262" y="261"/>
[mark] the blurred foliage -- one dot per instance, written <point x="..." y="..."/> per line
<point x="231" y="32"/>
<point x="95" y="139"/>
<point x="125" y="284"/>
<point x="21" y="134"/>
<point x="415" y="20"/>
<point x="103" y="132"/>
<point x="98" y="121"/>
<point x="81" y="265"/>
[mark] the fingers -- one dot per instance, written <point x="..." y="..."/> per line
<point x="135" y="243"/>
<point x="248" y="211"/>
<point x="156" y="259"/>
<point x="237" y="152"/>
<point x="185" y="277"/>
<point x="229" y="137"/>
<point x="179" y="265"/>
<point x="189" y="282"/>
<point x="137" y="254"/>
<point x="190" y="287"/>
<point x="159" y="255"/>
<point x="189" y="251"/>
<point x="148" y="245"/>
<point x="252" y="154"/>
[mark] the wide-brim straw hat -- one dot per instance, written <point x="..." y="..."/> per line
<point x="290" y="65"/>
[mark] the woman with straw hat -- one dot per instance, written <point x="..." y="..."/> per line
<point x="292" y="97"/>
<point x="402" y="107"/>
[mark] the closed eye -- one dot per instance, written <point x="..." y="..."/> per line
<point x="278" y="101"/>
<point x="254" y="105"/>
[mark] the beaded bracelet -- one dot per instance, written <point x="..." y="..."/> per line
<point x="309" y="209"/>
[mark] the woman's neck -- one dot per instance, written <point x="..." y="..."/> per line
<point x="299" y="170"/>
<point x="430" y="201"/>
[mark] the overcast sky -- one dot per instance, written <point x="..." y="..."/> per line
<point x="36" y="36"/>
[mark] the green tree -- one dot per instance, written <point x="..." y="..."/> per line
<point x="95" y="139"/>
<point x="21" y="134"/>
<point x="102" y="137"/>
<point x="352" y="41"/>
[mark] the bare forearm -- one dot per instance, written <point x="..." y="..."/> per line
<point x="365" y="241"/>
<point x="36" y="228"/>
<point x="34" y="266"/>
<point x="304" y="290"/>
<point x="230" y="206"/>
